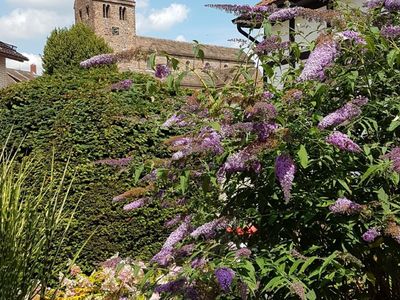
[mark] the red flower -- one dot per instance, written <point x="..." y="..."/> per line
<point x="239" y="231"/>
<point x="229" y="229"/>
<point x="252" y="230"/>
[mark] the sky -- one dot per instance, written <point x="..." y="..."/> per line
<point x="27" y="23"/>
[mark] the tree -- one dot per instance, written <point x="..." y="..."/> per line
<point x="66" y="48"/>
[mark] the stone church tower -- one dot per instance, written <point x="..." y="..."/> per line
<point x="114" y="20"/>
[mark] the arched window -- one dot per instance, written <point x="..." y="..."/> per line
<point x="226" y="66"/>
<point x="187" y="65"/>
<point x="80" y="15"/>
<point x="87" y="10"/>
<point x="122" y="13"/>
<point x="207" y="66"/>
<point x="106" y="11"/>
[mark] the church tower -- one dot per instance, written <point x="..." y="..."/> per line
<point x="114" y="20"/>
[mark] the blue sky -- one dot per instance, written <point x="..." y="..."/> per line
<point x="27" y="23"/>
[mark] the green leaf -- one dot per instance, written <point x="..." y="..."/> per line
<point x="303" y="156"/>
<point x="307" y="264"/>
<point x="138" y="172"/>
<point x="152" y="60"/>
<point x="344" y="184"/>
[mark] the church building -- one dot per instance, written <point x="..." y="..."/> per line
<point x="115" y="21"/>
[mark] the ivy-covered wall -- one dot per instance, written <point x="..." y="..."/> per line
<point x="78" y="117"/>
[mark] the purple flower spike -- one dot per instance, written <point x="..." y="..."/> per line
<point x="162" y="71"/>
<point x="394" y="156"/>
<point x="370" y="235"/>
<point x="225" y="278"/>
<point x="136" y="204"/>
<point x="267" y="95"/>
<point x="98" y="60"/>
<point x="392" y="5"/>
<point x="171" y="287"/>
<point x="179" y="234"/>
<point x="354" y="36"/>
<point x="271" y="44"/>
<point x="346" y="113"/>
<point x="174" y="120"/>
<point x="163" y="258"/>
<point x="322" y="57"/>
<point x="371" y="4"/>
<point x="123" y="85"/>
<point x="390" y="31"/>
<point x="285" y="14"/>
<point x="208" y="230"/>
<point x="285" y="169"/>
<point x="243" y="252"/>
<point x="343" y="142"/>
<point x="344" y="206"/>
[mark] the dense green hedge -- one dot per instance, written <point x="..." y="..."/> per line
<point x="79" y="117"/>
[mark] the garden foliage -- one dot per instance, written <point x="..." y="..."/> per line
<point x="106" y="136"/>
<point x="292" y="191"/>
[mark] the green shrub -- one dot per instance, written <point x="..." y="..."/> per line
<point x="78" y="116"/>
<point x="67" y="47"/>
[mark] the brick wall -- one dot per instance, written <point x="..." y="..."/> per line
<point x="3" y="72"/>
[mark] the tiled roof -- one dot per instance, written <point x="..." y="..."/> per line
<point x="19" y="75"/>
<point x="186" y="49"/>
<point x="10" y="51"/>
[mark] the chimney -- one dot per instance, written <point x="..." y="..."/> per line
<point x="33" y="69"/>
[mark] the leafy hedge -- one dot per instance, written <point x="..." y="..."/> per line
<point x="78" y="116"/>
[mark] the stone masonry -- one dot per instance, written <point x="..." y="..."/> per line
<point x="114" y="20"/>
<point x="3" y="72"/>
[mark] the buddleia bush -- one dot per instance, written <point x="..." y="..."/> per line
<point x="291" y="191"/>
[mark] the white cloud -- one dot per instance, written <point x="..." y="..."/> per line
<point x="30" y="23"/>
<point x="56" y="4"/>
<point x="180" y="38"/>
<point x="139" y="3"/>
<point x="25" y="66"/>
<point x="162" y="19"/>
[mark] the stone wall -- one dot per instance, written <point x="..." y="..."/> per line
<point x="3" y="72"/>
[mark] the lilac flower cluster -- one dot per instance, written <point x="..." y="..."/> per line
<point x="236" y="129"/>
<point x="346" y="113"/>
<point x="271" y="44"/>
<point x="225" y="278"/>
<point x="162" y="71"/>
<point x="242" y="9"/>
<point x="98" y="60"/>
<point x="166" y="253"/>
<point x="198" y="263"/>
<point x="239" y="162"/>
<point x="344" y="206"/>
<point x="266" y="111"/>
<point x="371" y="4"/>
<point x="343" y="142"/>
<point x="267" y="95"/>
<point x="136" y="204"/>
<point x="208" y="141"/>
<point x="285" y="169"/>
<point x="121" y="162"/>
<point x="209" y="229"/>
<point x="392" y="5"/>
<point x="390" y="31"/>
<point x="177" y="120"/>
<point x="354" y="36"/>
<point x="123" y="85"/>
<point x="285" y="14"/>
<point x="179" y="234"/>
<point x="322" y="57"/>
<point x="370" y="235"/>
<point x="394" y="156"/>
<point x="243" y="252"/>
<point x="265" y="130"/>
<point x="171" y="287"/>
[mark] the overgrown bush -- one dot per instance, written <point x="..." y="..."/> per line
<point x="67" y="47"/>
<point x="292" y="191"/>
<point x="106" y="136"/>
